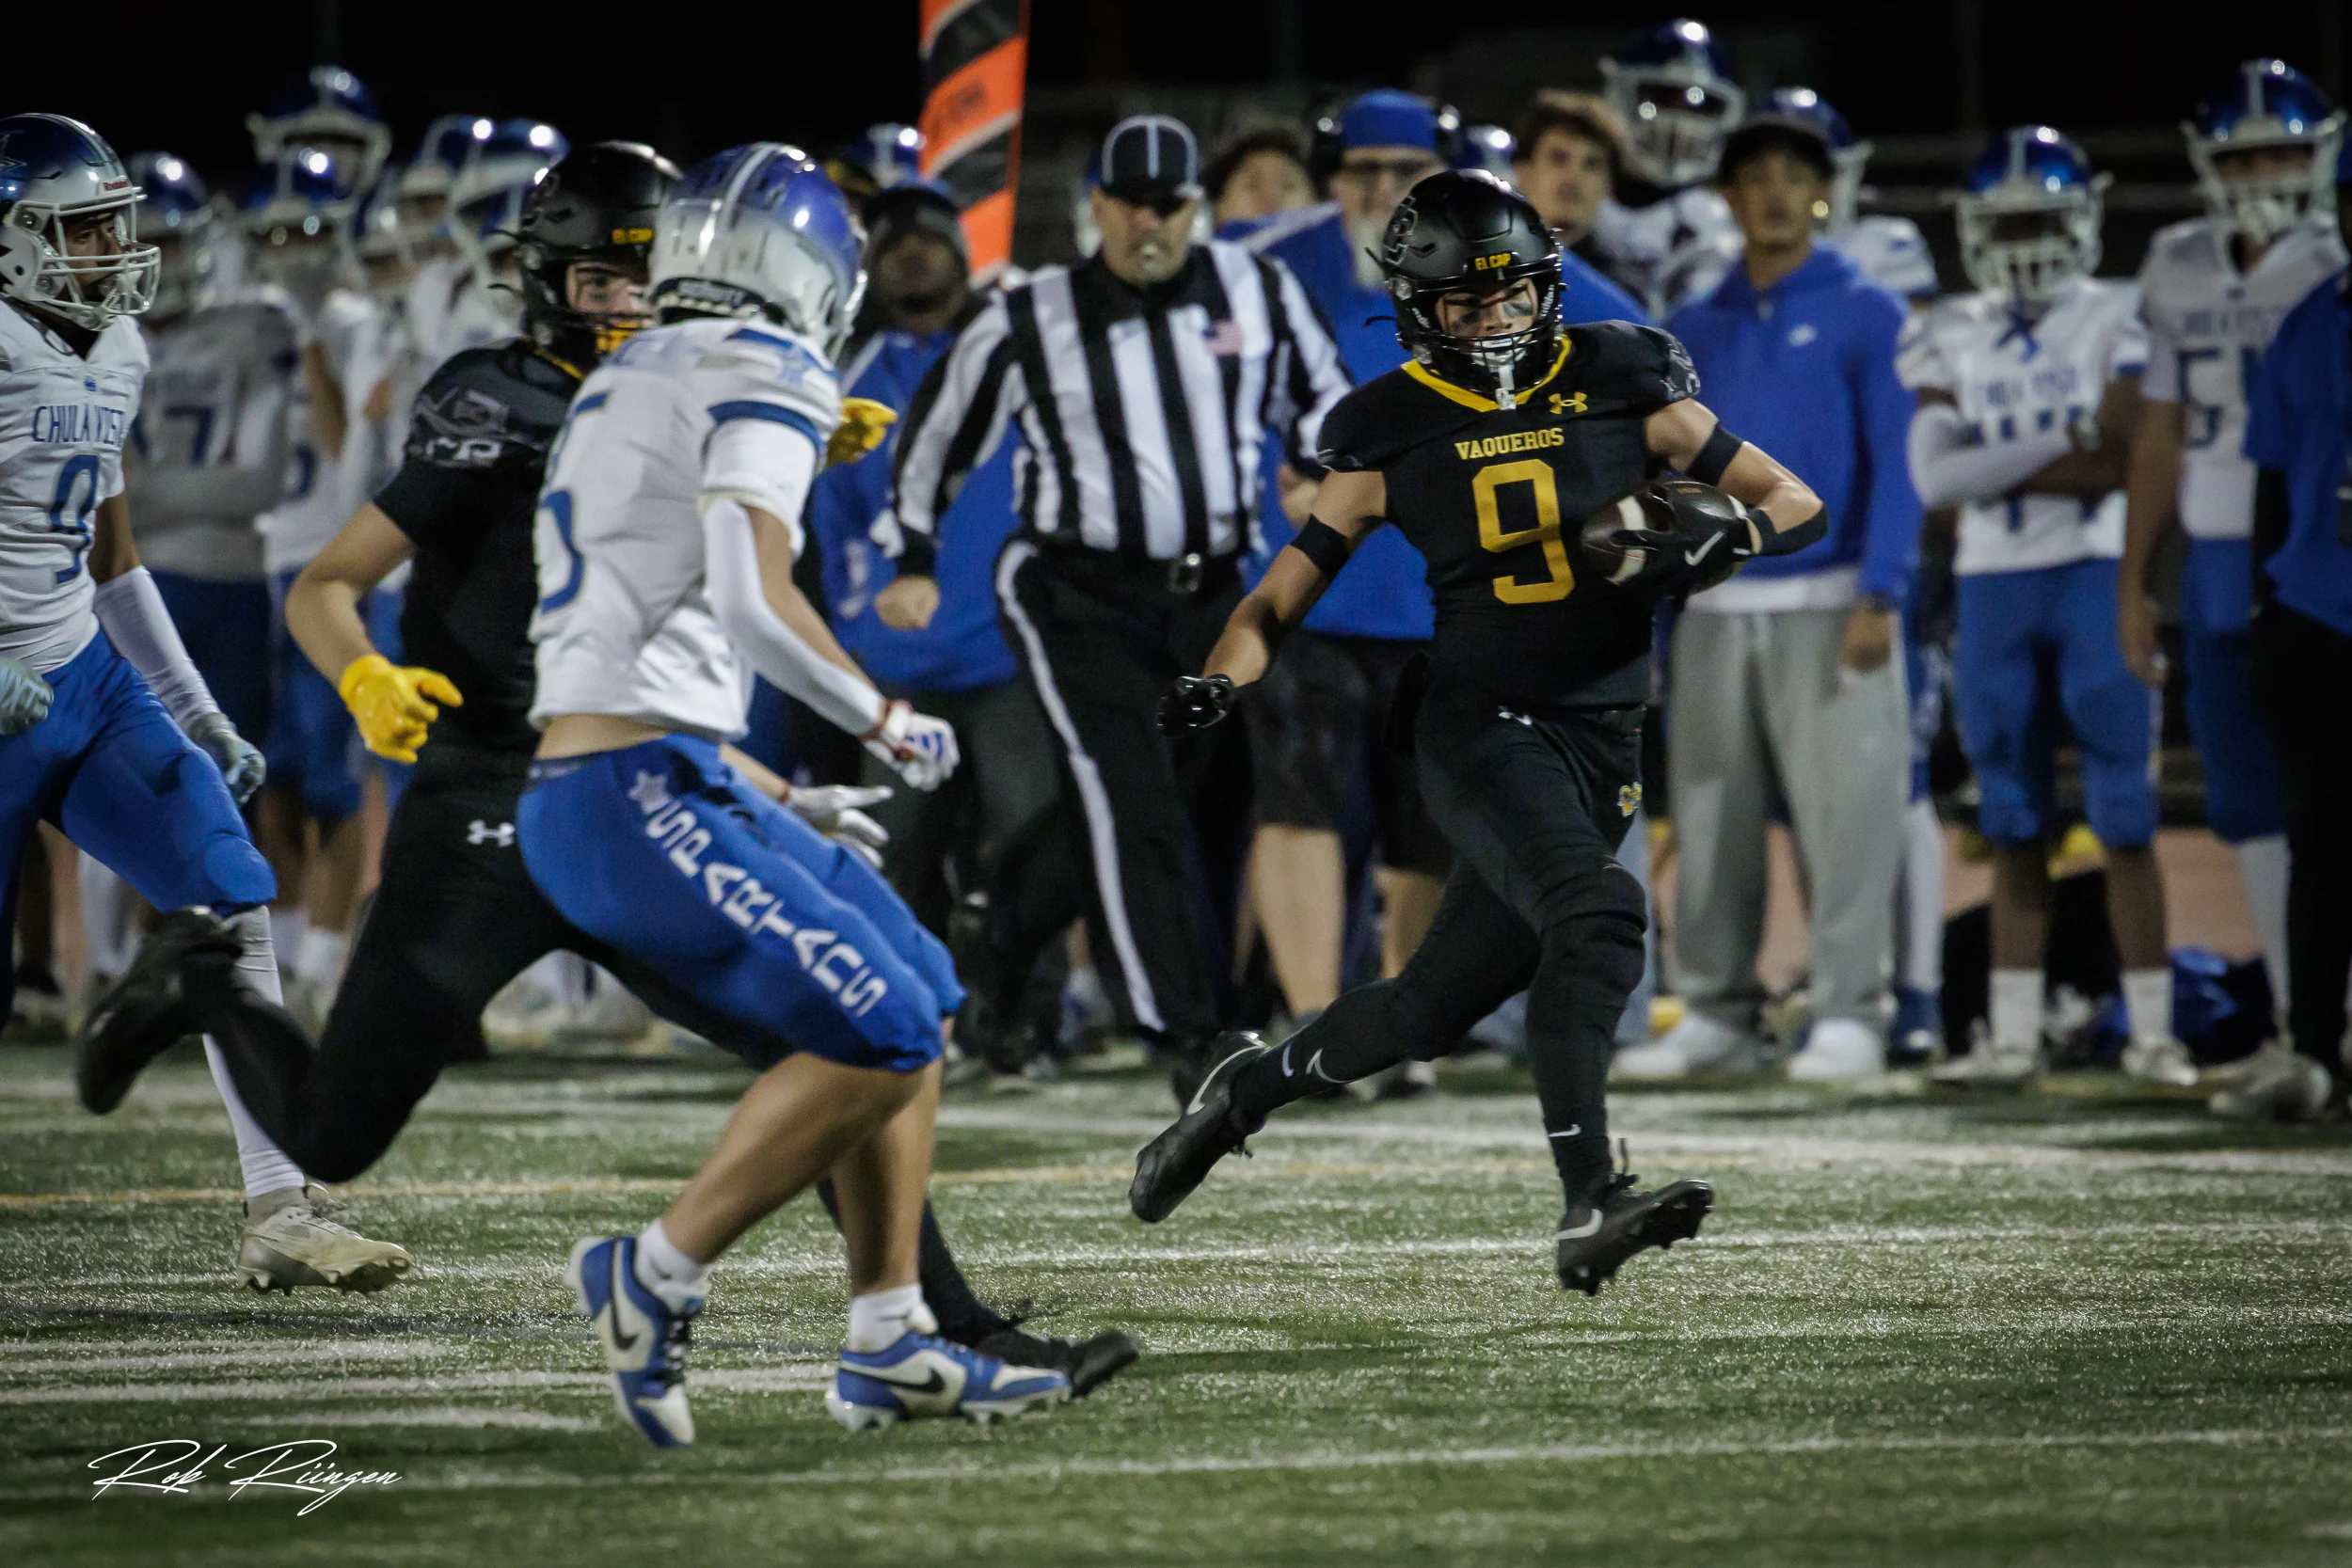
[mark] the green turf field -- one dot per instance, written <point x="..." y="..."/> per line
<point x="2066" y="1329"/>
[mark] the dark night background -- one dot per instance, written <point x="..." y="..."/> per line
<point x="1924" y="81"/>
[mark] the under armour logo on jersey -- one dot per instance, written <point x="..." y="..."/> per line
<point x="1629" y="798"/>
<point x="479" y="832"/>
<point x="1565" y="403"/>
<point x="1514" y="718"/>
<point x="1803" y="334"/>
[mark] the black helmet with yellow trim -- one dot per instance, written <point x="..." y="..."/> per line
<point x="1465" y="232"/>
<point x="598" y="204"/>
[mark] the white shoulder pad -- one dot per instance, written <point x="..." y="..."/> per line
<point x="756" y="364"/>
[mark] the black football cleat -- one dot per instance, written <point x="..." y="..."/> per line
<point x="1173" y="1163"/>
<point x="1086" y="1363"/>
<point x="1601" y="1231"/>
<point x="150" y="1008"/>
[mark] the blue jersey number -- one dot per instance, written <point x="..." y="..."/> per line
<point x="306" y="474"/>
<point x="2204" y="418"/>
<point x="68" y="513"/>
<point x="557" y="505"/>
<point x="200" y="439"/>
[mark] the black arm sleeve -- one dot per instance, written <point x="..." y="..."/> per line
<point x="1714" y="455"/>
<point x="1771" y="540"/>
<point x="1324" y="545"/>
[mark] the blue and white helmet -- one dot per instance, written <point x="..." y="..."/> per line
<point x="175" y="206"/>
<point x="760" y="231"/>
<point x="2030" y="215"/>
<point x="1490" y="148"/>
<point x="377" y="235"/>
<point x="450" y="143"/>
<point x="294" y="209"/>
<point x="1674" y="88"/>
<point x="54" y="172"/>
<point x="487" y="192"/>
<point x="1848" y="156"/>
<point x="332" y="110"/>
<point x="2266" y="104"/>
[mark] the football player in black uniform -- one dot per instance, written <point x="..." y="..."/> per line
<point x="1490" y="450"/>
<point x="456" y="915"/>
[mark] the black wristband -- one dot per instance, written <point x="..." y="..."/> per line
<point x="1714" y="455"/>
<point x="1774" y="541"/>
<point x="1324" y="545"/>
<point x="919" y="555"/>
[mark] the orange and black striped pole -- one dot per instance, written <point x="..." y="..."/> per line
<point x="976" y="56"/>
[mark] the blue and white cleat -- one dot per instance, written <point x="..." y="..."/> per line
<point x="644" y="1341"/>
<point x="923" y="1375"/>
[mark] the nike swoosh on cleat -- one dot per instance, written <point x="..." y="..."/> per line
<point x="1577" y="1233"/>
<point x="1286" y="1061"/>
<point x="620" y="1341"/>
<point x="1569" y="1133"/>
<point x="935" y="1383"/>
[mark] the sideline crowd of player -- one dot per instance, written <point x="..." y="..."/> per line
<point x="563" y="481"/>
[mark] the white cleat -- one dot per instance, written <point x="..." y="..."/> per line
<point x="2161" y="1059"/>
<point x="291" y="1240"/>
<point x="1839" y="1050"/>
<point x="1697" y="1044"/>
<point x="2275" y="1083"/>
<point x="1989" y="1066"/>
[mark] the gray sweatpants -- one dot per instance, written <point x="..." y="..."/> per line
<point x="1758" y="697"/>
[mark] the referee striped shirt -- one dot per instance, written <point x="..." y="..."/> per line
<point x="1142" y="415"/>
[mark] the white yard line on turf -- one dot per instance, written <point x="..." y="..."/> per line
<point x="983" y="1256"/>
<point x="788" y="1377"/>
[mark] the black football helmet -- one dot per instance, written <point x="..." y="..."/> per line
<point x="1466" y="230"/>
<point x="598" y="204"/>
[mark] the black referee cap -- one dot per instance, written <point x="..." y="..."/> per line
<point x="1151" y="159"/>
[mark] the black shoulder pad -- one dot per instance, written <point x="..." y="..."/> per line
<point x="478" y="412"/>
<point x="1624" y="368"/>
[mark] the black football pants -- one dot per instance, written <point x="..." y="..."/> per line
<point x="1534" y="809"/>
<point x="2302" y="670"/>
<point x="1100" y="638"/>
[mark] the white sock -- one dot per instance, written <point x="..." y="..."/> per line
<point x="320" y="960"/>
<point x="669" y="1273"/>
<point x="2017" y="1009"/>
<point x="105" y="917"/>
<point x="879" y="1319"/>
<point x="2261" y="865"/>
<point x="287" y="928"/>
<point x="1922" y="907"/>
<point x="2147" y="1002"/>
<point x="265" y="1167"/>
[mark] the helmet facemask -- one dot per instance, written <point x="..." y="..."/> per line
<point x="1677" y="117"/>
<point x="2264" y="205"/>
<point x="1500" y="365"/>
<point x="87" y="290"/>
<point x="2028" y="245"/>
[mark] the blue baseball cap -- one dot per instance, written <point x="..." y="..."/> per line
<point x="1387" y="118"/>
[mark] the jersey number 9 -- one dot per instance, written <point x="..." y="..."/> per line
<point x="1537" y="474"/>
<point x="68" y="513"/>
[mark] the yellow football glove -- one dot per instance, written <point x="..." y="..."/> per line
<point x="392" y="706"/>
<point x="863" y="424"/>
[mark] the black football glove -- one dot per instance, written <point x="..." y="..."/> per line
<point x="1672" y="535"/>
<point x="1194" y="702"/>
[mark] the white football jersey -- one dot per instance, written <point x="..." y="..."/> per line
<point x="208" y="450"/>
<point x="2013" y="381"/>
<point x="323" y="488"/>
<point x="450" y="311"/>
<point x="623" y="625"/>
<point x="1891" y="253"/>
<point x="63" y="422"/>
<point x="1671" y="252"/>
<point x="2207" y="327"/>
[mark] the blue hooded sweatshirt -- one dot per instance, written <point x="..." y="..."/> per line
<point x="962" y="649"/>
<point x="1385" y="591"/>
<point x="1806" y="370"/>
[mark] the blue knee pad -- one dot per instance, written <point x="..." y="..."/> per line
<point x="661" y="851"/>
<point x="2243" y="797"/>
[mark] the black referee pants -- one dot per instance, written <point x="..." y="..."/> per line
<point x="1098" y="639"/>
<point x="2302" y="670"/>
